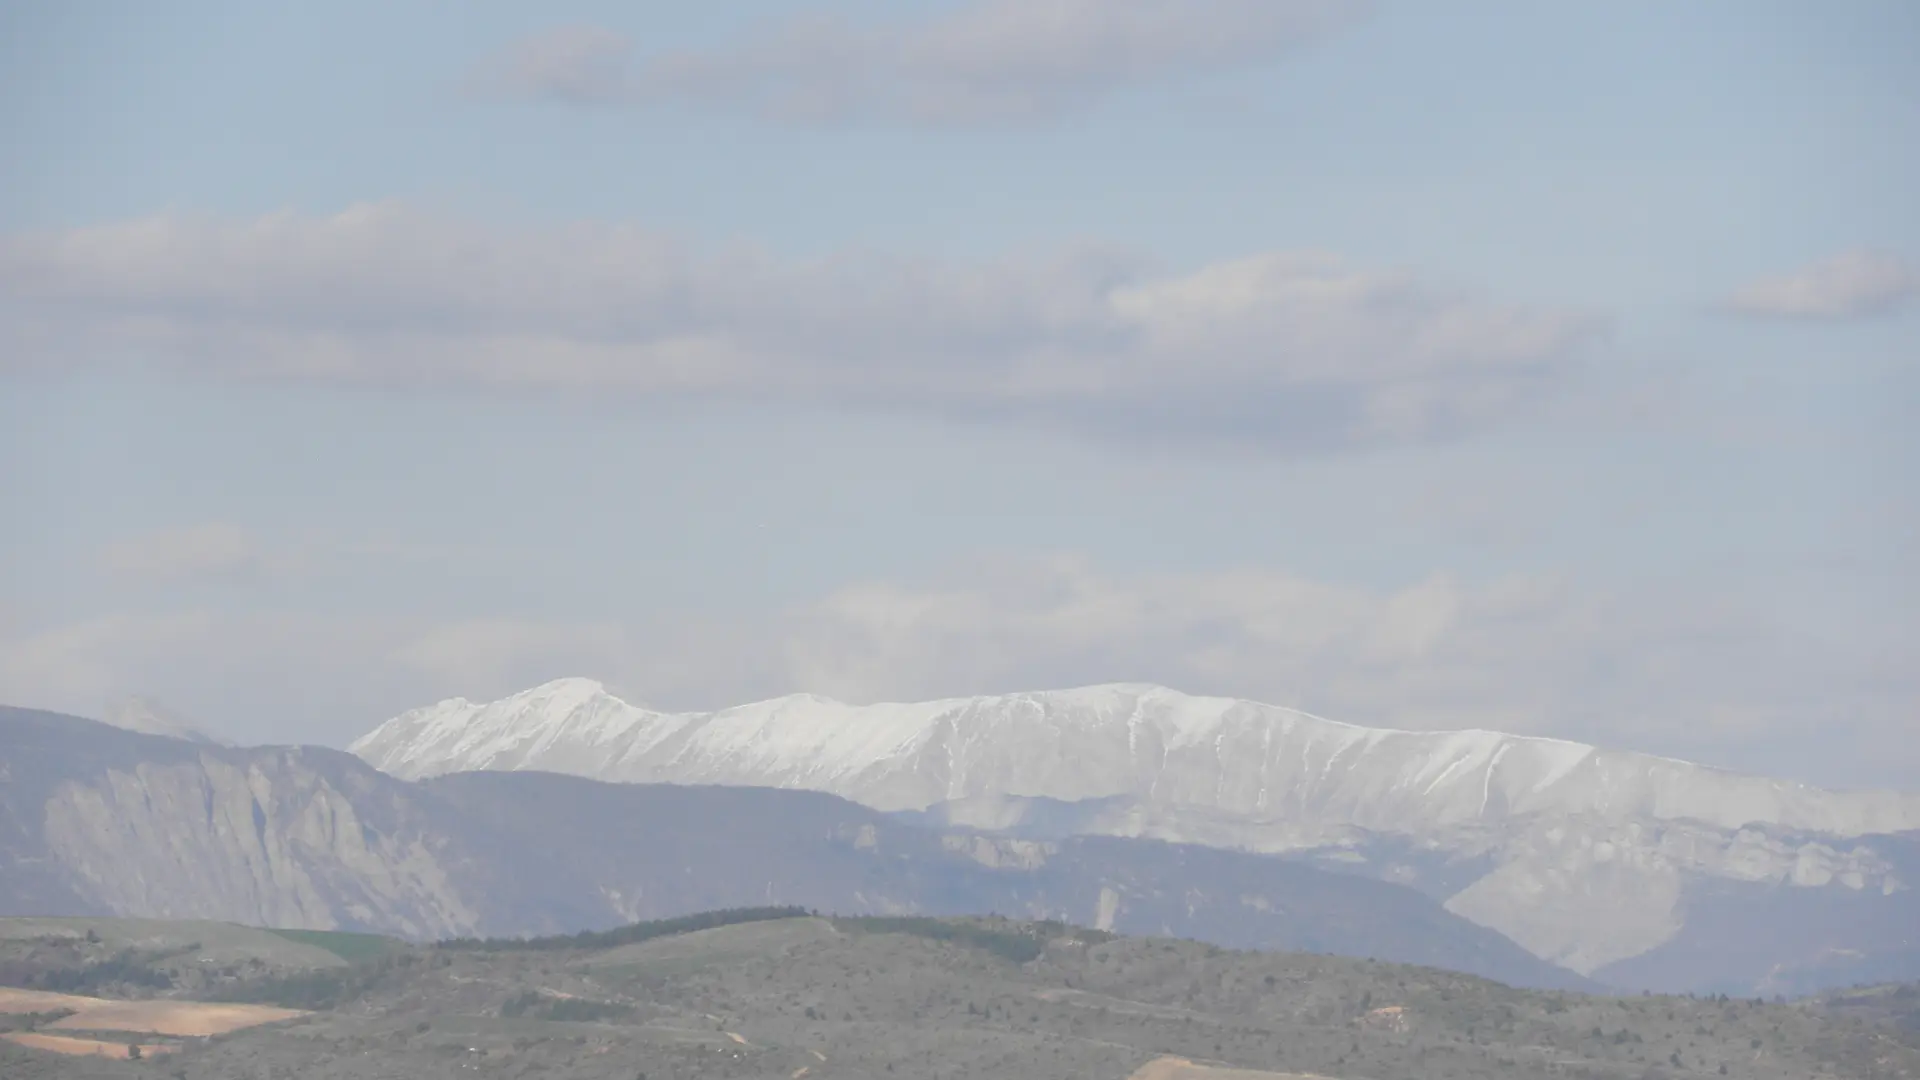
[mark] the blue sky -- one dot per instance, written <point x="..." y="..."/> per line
<point x="1541" y="367"/>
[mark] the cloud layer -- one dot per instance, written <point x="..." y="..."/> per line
<point x="1850" y="285"/>
<point x="1690" y="674"/>
<point x="985" y="62"/>
<point x="1286" y="347"/>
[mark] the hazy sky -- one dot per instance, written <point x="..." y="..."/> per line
<point x="1543" y="367"/>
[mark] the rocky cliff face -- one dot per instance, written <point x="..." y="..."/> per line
<point x="103" y="820"/>
<point x="266" y="840"/>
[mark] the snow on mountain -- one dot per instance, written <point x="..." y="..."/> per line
<point x="1586" y="857"/>
<point x="1246" y="761"/>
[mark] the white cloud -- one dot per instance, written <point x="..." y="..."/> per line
<point x="1438" y="652"/>
<point x="1846" y="286"/>
<point x="1287" y="346"/>
<point x="208" y="550"/>
<point x="1694" y="674"/>
<point x="983" y="62"/>
<point x="1690" y="673"/>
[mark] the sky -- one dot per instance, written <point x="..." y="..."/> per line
<point x="1542" y="368"/>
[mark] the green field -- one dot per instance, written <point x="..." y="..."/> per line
<point x="347" y="946"/>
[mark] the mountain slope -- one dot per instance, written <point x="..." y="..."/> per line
<point x="1585" y="856"/>
<point x="1765" y="939"/>
<point x="98" y="820"/>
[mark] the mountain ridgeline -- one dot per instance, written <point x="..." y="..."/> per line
<point x="97" y="820"/>
<point x="483" y="828"/>
<point x="1631" y="868"/>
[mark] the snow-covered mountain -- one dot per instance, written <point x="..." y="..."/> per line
<point x="1251" y="761"/>
<point x="1583" y="855"/>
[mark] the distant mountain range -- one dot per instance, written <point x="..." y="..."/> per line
<point x="1627" y="867"/>
<point x="1127" y="808"/>
<point x="95" y="819"/>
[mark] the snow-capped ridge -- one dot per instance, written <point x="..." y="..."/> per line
<point x="1586" y="851"/>
<point x="1226" y="755"/>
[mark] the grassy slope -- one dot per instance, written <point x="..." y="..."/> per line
<point x="219" y="943"/>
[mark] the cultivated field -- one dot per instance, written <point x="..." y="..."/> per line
<point x="153" y="1016"/>
<point x="161" y="1017"/>
<point x="14" y="1000"/>
<point x="63" y="1044"/>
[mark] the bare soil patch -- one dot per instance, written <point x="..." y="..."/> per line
<point x="173" y="1017"/>
<point x="158" y="1017"/>
<point x="1173" y="1068"/>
